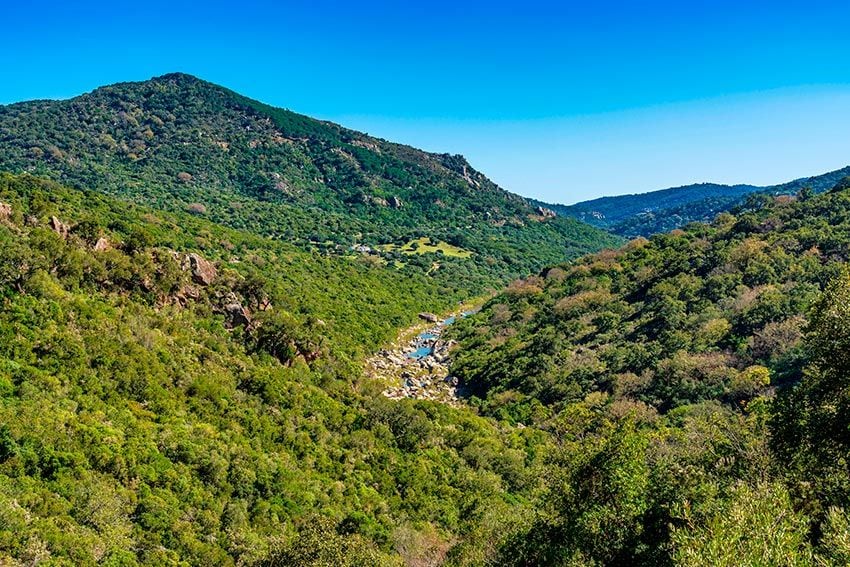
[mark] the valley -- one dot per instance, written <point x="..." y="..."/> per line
<point x="235" y="335"/>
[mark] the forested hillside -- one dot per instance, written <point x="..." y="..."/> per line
<point x="660" y="211"/>
<point x="179" y="143"/>
<point x="695" y="386"/>
<point x="170" y="394"/>
<point x="173" y="392"/>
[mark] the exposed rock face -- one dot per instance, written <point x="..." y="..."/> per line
<point x="430" y="317"/>
<point x="546" y="213"/>
<point x="203" y="272"/>
<point x="235" y="315"/>
<point x="375" y="200"/>
<point x="395" y="202"/>
<point x="469" y="178"/>
<point x="186" y="294"/>
<point x="367" y="145"/>
<point x="59" y="227"/>
<point x="102" y="244"/>
<point x="5" y="211"/>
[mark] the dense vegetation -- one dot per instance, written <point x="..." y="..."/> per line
<point x="654" y="368"/>
<point x="181" y="356"/>
<point x="651" y="213"/>
<point x="178" y="143"/>
<point x="623" y="410"/>
<point x="139" y="425"/>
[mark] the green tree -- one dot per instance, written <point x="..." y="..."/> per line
<point x="753" y="527"/>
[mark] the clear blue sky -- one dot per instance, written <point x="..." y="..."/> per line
<point x="560" y="100"/>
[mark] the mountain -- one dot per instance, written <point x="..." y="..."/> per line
<point x="191" y="282"/>
<point x="661" y="211"/>
<point x="179" y="143"/>
<point x="695" y="383"/>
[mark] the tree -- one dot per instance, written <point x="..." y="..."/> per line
<point x="811" y="426"/>
<point x="319" y="544"/>
<point x="755" y="526"/>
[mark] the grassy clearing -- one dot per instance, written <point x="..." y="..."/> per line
<point x="425" y="245"/>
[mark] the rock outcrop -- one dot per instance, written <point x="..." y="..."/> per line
<point x="203" y="271"/>
<point x="59" y="227"/>
<point x="430" y="317"/>
<point x="235" y="315"/>
<point x="101" y="245"/>
<point x="546" y="213"/>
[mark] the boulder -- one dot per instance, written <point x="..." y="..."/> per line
<point x="374" y="200"/>
<point x="236" y="316"/>
<point x="546" y="213"/>
<point x="430" y="317"/>
<point x="59" y="227"/>
<point x="203" y="272"/>
<point x="102" y="244"/>
<point x="395" y="202"/>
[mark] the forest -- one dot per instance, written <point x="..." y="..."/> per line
<point x="680" y="401"/>
<point x="645" y="214"/>
<point x="695" y="387"/>
<point x="143" y="425"/>
<point x="181" y="144"/>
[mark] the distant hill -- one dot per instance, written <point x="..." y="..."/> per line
<point x="660" y="211"/>
<point x="180" y="143"/>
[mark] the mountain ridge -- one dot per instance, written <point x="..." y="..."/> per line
<point x="651" y="212"/>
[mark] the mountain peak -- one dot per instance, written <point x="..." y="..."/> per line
<point x="180" y="78"/>
<point x="177" y="76"/>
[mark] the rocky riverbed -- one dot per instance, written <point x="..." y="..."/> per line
<point x="418" y="366"/>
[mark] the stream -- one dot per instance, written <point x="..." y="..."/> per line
<point x="419" y="367"/>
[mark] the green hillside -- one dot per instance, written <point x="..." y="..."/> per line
<point x="697" y="388"/>
<point x="182" y="144"/>
<point x="142" y="423"/>
<point x="195" y="285"/>
<point x="622" y="413"/>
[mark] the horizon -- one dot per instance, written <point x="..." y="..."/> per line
<point x="561" y="103"/>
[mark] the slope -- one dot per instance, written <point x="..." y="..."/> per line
<point x="671" y="320"/>
<point x="695" y="386"/>
<point x="180" y="143"/>
<point x="146" y="420"/>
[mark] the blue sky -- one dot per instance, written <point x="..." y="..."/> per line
<point x="560" y="100"/>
